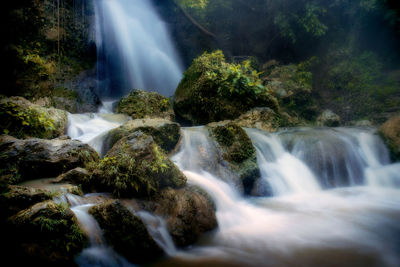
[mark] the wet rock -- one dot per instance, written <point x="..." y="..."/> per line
<point x="78" y="176"/>
<point x="141" y="104"/>
<point x="37" y="158"/>
<point x="260" y="118"/>
<point x="390" y="132"/>
<point x="189" y="212"/>
<point x="238" y="151"/>
<point x="125" y="232"/>
<point x="45" y="233"/>
<point x="164" y="132"/>
<point x="136" y="167"/>
<point x="21" y="118"/>
<point x="328" y="118"/>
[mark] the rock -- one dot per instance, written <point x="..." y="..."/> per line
<point x="165" y="133"/>
<point x="37" y="158"/>
<point x="390" y="132"/>
<point x="77" y="176"/>
<point x="328" y="118"/>
<point x="214" y="90"/>
<point x="45" y="233"/>
<point x="125" y="232"/>
<point x="189" y="212"/>
<point x="261" y="118"/>
<point x="136" y="167"/>
<point x="21" y="118"/>
<point x="238" y="151"/>
<point x="141" y="104"/>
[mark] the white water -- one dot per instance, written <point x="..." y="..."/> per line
<point x="304" y="224"/>
<point x="135" y="48"/>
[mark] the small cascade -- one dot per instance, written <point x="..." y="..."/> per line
<point x="135" y="49"/>
<point x="90" y="128"/>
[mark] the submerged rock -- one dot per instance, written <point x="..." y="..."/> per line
<point x="125" y="232"/>
<point x="214" y="90"/>
<point x="238" y="151"/>
<point x="164" y="132"/>
<point x="37" y="158"/>
<point x="189" y="212"/>
<point x="141" y="104"/>
<point x="46" y="233"/>
<point x="328" y="118"/>
<point x="21" y="118"/>
<point x="390" y="132"/>
<point x="135" y="167"/>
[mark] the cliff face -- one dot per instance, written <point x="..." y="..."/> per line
<point x="46" y="44"/>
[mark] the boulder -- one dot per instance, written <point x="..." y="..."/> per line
<point x="21" y="118"/>
<point x="164" y="132"/>
<point x="46" y="233"/>
<point x="238" y="151"/>
<point x="260" y="118"/>
<point x="37" y="158"/>
<point x="328" y="118"/>
<point x="77" y="176"/>
<point x="215" y="90"/>
<point x="136" y="167"/>
<point x="141" y="104"/>
<point x="189" y="212"/>
<point x="125" y="232"/>
<point x="390" y="132"/>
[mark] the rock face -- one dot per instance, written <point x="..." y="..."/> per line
<point x="165" y="133"/>
<point x="328" y="118"/>
<point x="37" y="158"/>
<point x="136" y="167"/>
<point x="214" y="90"/>
<point x="238" y="151"/>
<point x="45" y="233"/>
<point x="189" y="212"/>
<point x="141" y="104"/>
<point x="125" y="232"/>
<point x="390" y="131"/>
<point x="21" y="118"/>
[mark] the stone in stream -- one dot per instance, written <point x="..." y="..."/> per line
<point x="328" y="118"/>
<point x="164" y="132"/>
<point x="237" y="150"/>
<point x="390" y="132"/>
<point x="45" y="234"/>
<point x="28" y="159"/>
<point x="125" y="232"/>
<point x="141" y="104"/>
<point x="135" y="167"/>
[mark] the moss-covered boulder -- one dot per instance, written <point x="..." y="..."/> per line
<point x="136" y="167"/>
<point x="46" y="233"/>
<point x="165" y="133"/>
<point x="390" y="132"/>
<point x="292" y="86"/>
<point x="328" y="118"/>
<point x="215" y="90"/>
<point x="21" y="118"/>
<point x="189" y="212"/>
<point x="125" y="232"/>
<point x="260" y="118"/>
<point x="238" y="151"/>
<point x="38" y="158"/>
<point x="141" y="104"/>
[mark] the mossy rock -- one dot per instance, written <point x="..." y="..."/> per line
<point x="165" y="133"/>
<point x="141" y="104"/>
<point x="125" y="232"/>
<point x="136" y="167"/>
<point x="46" y="233"/>
<point x="21" y="118"/>
<point x="261" y="118"/>
<point x="390" y="132"/>
<point x="238" y="151"/>
<point x="329" y="119"/>
<point x="29" y="159"/>
<point x="214" y="90"/>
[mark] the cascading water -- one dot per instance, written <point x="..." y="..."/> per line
<point x="134" y="49"/>
<point x="310" y="220"/>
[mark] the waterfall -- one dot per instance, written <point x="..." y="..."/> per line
<point x="325" y="210"/>
<point x="134" y="49"/>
